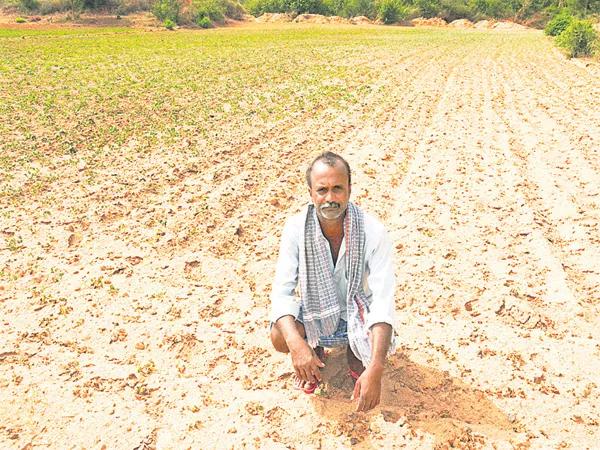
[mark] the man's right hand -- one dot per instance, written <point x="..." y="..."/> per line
<point x="305" y="361"/>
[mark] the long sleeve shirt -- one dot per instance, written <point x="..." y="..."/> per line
<point x="379" y="282"/>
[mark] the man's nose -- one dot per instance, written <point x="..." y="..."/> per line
<point x="330" y="196"/>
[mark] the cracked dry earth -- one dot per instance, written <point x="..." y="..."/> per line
<point x="482" y="161"/>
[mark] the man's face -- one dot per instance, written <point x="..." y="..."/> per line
<point x="330" y="190"/>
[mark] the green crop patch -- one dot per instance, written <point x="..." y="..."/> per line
<point x="109" y="97"/>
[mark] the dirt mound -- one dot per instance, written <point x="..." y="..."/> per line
<point x="361" y="20"/>
<point x="274" y="18"/>
<point x="597" y="27"/>
<point x="508" y="26"/>
<point x="433" y="22"/>
<point x="311" y="18"/>
<point x="484" y="24"/>
<point x="461" y="23"/>
<point x="337" y="19"/>
<point x="249" y="18"/>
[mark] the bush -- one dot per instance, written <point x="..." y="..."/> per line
<point x="169" y="24"/>
<point x="29" y="5"/>
<point x="557" y="25"/>
<point x="303" y="6"/>
<point x="210" y="9"/>
<point x="205" y="23"/>
<point x="259" y="7"/>
<point x="428" y="8"/>
<point x="391" y="11"/>
<point x="216" y="10"/>
<point x="233" y="9"/>
<point x="21" y="20"/>
<point x="354" y="8"/>
<point x="452" y="10"/>
<point x="93" y="4"/>
<point x="165" y="10"/>
<point x="579" y="39"/>
<point x="51" y="7"/>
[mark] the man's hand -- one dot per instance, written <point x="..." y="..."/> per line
<point x="368" y="386"/>
<point x="306" y="362"/>
<point x="368" y="389"/>
<point x="304" y="359"/>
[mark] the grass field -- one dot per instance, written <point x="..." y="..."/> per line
<point x="145" y="178"/>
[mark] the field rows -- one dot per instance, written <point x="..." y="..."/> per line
<point x="144" y="182"/>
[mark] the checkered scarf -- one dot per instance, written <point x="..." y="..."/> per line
<point x="320" y="305"/>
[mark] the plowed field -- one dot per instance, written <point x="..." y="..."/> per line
<point x="146" y="177"/>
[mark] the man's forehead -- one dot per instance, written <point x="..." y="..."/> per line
<point x="321" y="168"/>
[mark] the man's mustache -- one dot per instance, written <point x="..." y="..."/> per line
<point x="330" y="205"/>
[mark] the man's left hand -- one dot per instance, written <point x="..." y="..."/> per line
<point x="368" y="389"/>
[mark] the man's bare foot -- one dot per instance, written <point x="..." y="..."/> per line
<point x="308" y="386"/>
<point x="354" y="364"/>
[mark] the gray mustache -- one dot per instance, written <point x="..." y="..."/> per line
<point x="330" y="205"/>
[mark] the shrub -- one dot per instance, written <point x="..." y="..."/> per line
<point x="216" y="10"/>
<point x="211" y="9"/>
<point x="166" y="10"/>
<point x="391" y="11"/>
<point x="93" y="4"/>
<point x="428" y="8"/>
<point x="557" y="25"/>
<point x="21" y="20"/>
<point x="205" y="23"/>
<point x="74" y="6"/>
<point x="303" y="6"/>
<point x="233" y="9"/>
<point x="169" y="24"/>
<point x="457" y="9"/>
<point x="51" y="6"/>
<point x="579" y="39"/>
<point x="259" y="7"/>
<point x="29" y="5"/>
<point x="353" y="8"/>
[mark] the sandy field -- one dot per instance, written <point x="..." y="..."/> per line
<point x="133" y="311"/>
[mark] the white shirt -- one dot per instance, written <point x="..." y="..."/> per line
<point x="379" y="283"/>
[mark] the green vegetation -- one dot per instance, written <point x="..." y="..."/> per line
<point x="579" y="39"/>
<point x="205" y="22"/>
<point x="535" y="12"/>
<point x="390" y="11"/>
<point x="576" y="36"/>
<point x="29" y="5"/>
<point x="20" y="20"/>
<point x="166" y="10"/>
<point x="557" y="25"/>
<point x="68" y="109"/>
<point x="214" y="10"/>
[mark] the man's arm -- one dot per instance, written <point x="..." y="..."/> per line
<point x="368" y="386"/>
<point x="285" y="308"/>
<point x="283" y="292"/>
<point x="380" y="319"/>
<point x="304" y="359"/>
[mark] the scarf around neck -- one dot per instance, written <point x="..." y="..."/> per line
<point x="320" y="304"/>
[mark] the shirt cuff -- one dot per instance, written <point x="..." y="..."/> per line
<point x="379" y="318"/>
<point x="286" y="309"/>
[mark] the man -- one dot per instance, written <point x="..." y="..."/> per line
<point x="342" y="259"/>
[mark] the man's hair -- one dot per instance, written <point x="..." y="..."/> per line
<point x="331" y="159"/>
